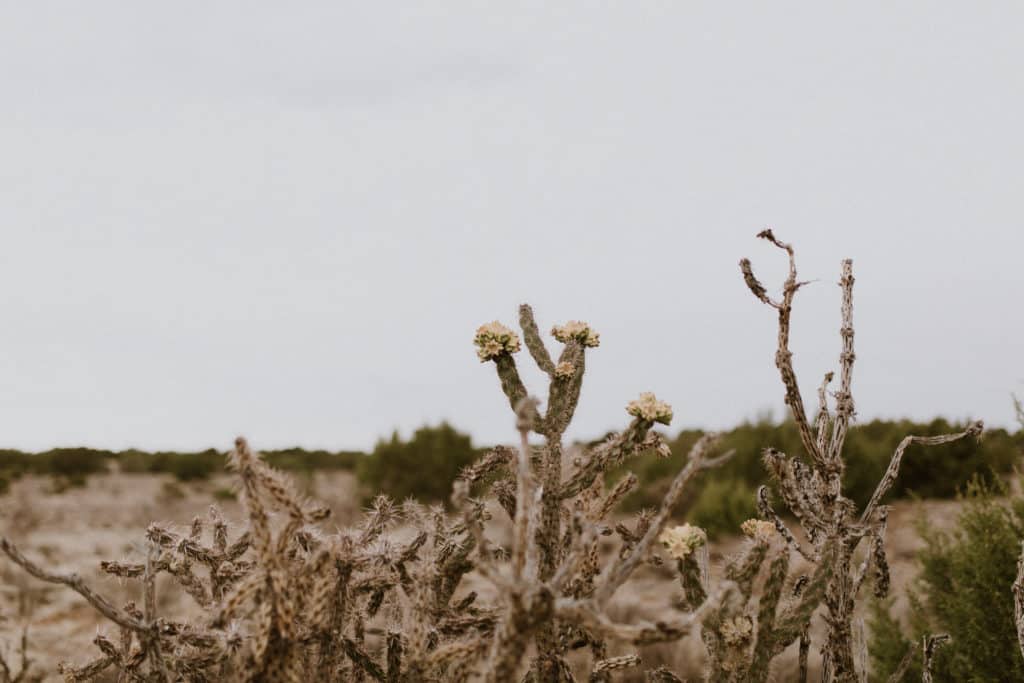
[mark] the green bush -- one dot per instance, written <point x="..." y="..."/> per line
<point x="722" y="505"/>
<point x="888" y="645"/>
<point x="963" y="589"/>
<point x="298" y="459"/>
<point x="185" y="466"/>
<point x="423" y="467"/>
<point x="188" y="466"/>
<point x="932" y="472"/>
<point x="74" y="463"/>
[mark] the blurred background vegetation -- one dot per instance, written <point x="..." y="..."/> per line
<point x="962" y="589"/>
<point x="424" y="465"/>
<point x="727" y="494"/>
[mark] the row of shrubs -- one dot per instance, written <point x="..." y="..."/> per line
<point x="74" y="465"/>
<point x="726" y="497"/>
<point x="425" y="465"/>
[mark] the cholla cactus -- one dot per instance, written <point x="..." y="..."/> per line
<point x="555" y="597"/>
<point x="285" y="602"/>
<point x="746" y="631"/>
<point x="813" y="488"/>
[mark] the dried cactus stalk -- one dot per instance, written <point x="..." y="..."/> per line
<point x="812" y="490"/>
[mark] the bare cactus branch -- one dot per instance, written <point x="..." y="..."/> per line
<point x="889" y="478"/>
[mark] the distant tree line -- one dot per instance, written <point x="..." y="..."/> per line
<point x="74" y="465"/>
<point x="727" y="496"/>
<point x="425" y="465"/>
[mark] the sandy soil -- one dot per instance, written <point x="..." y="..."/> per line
<point x="75" y="529"/>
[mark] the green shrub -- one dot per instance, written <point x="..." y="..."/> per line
<point x="188" y="466"/>
<point x="963" y="589"/>
<point x="423" y="467"/>
<point x="722" y="505"/>
<point x="134" y="461"/>
<point x="932" y="472"/>
<point x="202" y="464"/>
<point x="299" y="459"/>
<point x="74" y="463"/>
<point x="888" y="645"/>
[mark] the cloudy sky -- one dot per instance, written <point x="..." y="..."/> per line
<point x="287" y="219"/>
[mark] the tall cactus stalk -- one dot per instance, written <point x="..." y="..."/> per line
<point x="812" y="487"/>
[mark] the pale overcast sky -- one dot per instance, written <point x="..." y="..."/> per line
<point x="287" y="219"/>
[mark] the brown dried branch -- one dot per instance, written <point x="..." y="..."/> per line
<point x="75" y="583"/>
<point x="889" y="478"/>
<point x="783" y="356"/>
<point x="930" y="645"/>
<point x="1018" y="600"/>
<point x="844" y="397"/>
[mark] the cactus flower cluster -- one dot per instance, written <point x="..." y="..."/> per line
<point x="576" y="330"/>
<point x="680" y="541"/>
<point x="737" y="630"/>
<point x="649" y="408"/>
<point x="564" y="370"/>
<point x="494" y="339"/>
<point x="758" y="529"/>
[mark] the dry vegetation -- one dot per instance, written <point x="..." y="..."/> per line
<point x="531" y="572"/>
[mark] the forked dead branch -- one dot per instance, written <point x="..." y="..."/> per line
<point x="813" y="488"/>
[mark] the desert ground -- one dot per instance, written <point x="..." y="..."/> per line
<point x="74" y="529"/>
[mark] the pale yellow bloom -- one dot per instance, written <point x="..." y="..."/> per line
<point x="758" y="529"/>
<point x="649" y="408"/>
<point x="578" y="330"/>
<point x="564" y="370"/>
<point x="737" y="630"/>
<point x="680" y="541"/>
<point x="494" y="339"/>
